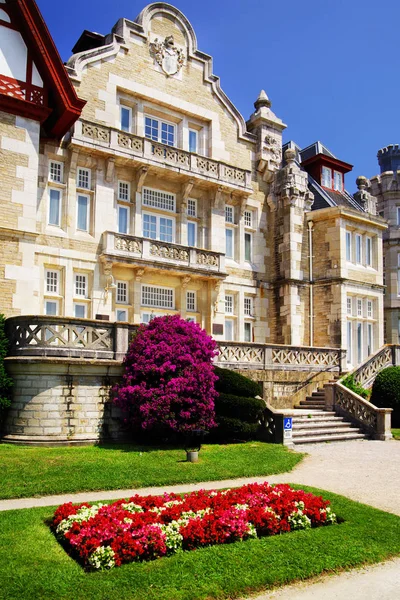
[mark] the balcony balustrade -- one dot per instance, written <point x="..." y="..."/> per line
<point x="149" y="152"/>
<point x="120" y="247"/>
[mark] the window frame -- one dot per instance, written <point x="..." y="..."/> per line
<point x="52" y="292"/>
<point x="121" y="282"/>
<point x="59" y="164"/>
<point x="88" y="172"/>
<point x="171" y="199"/>
<point x="248" y="311"/>
<point x="85" y="309"/>
<point x="196" y="133"/>
<point x="51" y="301"/>
<point x="229" y="210"/>
<point x="230" y="303"/>
<point x="86" y="286"/>
<point x="158" y="287"/>
<point x="59" y="192"/>
<point x="231" y="230"/>
<point x="189" y="212"/>
<point x="349" y="246"/>
<point x="87" y="196"/>
<point x="368" y="251"/>
<point x="251" y="214"/>
<point x="398" y="215"/>
<point x="338" y="189"/>
<point x="248" y="324"/>
<point x="358" y="249"/>
<point x="121" y="310"/>
<point x="128" y="185"/>
<point x="123" y="107"/>
<point x="194" y="224"/>
<point x="161" y="122"/>
<point x="127" y="208"/>
<point x="158" y="218"/>
<point x="190" y="304"/>
<point x="248" y="257"/>
<point x="325" y="170"/>
<point x="232" y="333"/>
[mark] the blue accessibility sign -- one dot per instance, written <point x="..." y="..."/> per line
<point x="287" y="423"/>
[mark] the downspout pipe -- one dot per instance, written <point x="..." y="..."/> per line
<point x="310" y="257"/>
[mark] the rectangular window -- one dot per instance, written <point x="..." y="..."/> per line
<point x="126" y="118"/>
<point x="229" y="304"/>
<point x="121" y="315"/>
<point x="80" y="285"/>
<point x="326" y="177"/>
<point x="248" y="218"/>
<point x="159" y="131"/>
<point x="368" y="251"/>
<point x="79" y="311"/>
<point x="192" y="140"/>
<point x="248" y="332"/>
<point x="348" y="245"/>
<point x="229" y="242"/>
<point x="349" y="342"/>
<point x="398" y="215"/>
<point x="157" y="296"/>
<point x="228" y="214"/>
<point x="52" y="281"/>
<point x="157" y="199"/>
<point x="51" y="308"/>
<point x="56" y="171"/>
<point x="369" y="309"/>
<point x="191" y="301"/>
<point x="191" y="234"/>
<point x="123" y="218"/>
<point x="82" y="213"/>
<point x="359" y="307"/>
<point x="150" y="226"/>
<point x="358" y="249"/>
<point x="147" y="317"/>
<point x="247" y="247"/>
<point x="83" y="179"/>
<point x="337" y="181"/>
<point x="54" y="207"/>
<point x="349" y="306"/>
<point x="359" y="342"/>
<point x="124" y="191"/>
<point x="248" y="306"/>
<point x="229" y="330"/>
<point x="191" y="207"/>
<point x="122" y="292"/>
<point x="369" y="339"/>
<point x="166" y="229"/>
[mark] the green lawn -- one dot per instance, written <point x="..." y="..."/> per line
<point x="28" y="471"/>
<point x="396" y="434"/>
<point x="33" y="565"/>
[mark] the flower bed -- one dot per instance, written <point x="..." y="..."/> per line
<point x="102" y="536"/>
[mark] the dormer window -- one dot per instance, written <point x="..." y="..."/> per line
<point x="337" y="181"/>
<point x="326" y="177"/>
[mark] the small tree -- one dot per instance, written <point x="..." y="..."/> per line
<point x="6" y="382"/>
<point x="168" y="384"/>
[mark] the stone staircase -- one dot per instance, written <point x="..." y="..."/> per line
<point x="313" y="424"/>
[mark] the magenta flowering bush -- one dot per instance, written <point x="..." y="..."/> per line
<point x="168" y="384"/>
<point x="148" y="527"/>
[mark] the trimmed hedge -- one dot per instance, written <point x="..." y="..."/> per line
<point x="230" y="429"/>
<point x="386" y="392"/>
<point x="239" y="407"/>
<point x="230" y="382"/>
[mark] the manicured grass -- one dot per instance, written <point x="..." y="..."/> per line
<point x="396" y="434"/>
<point x="28" y="471"/>
<point x="33" y="565"/>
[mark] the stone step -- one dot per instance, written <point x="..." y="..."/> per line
<point x="312" y="401"/>
<point x="317" y="394"/>
<point x="312" y="406"/>
<point x="315" y="439"/>
<point x="302" y="411"/>
<point x="318" y="418"/>
<point x="319" y="428"/>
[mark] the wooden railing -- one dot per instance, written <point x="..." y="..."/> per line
<point x="143" y="148"/>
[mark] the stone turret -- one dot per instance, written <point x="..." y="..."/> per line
<point x="389" y="158"/>
<point x="364" y="196"/>
<point x="268" y="129"/>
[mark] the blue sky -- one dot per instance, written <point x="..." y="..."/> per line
<point x="330" y="67"/>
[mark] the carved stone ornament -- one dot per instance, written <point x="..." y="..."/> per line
<point x="167" y="55"/>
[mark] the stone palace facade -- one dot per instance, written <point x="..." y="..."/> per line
<point x="132" y="187"/>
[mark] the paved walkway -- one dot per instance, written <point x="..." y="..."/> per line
<point x="365" y="471"/>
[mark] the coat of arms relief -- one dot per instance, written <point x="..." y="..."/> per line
<point x="167" y="55"/>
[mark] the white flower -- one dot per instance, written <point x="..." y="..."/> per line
<point x="298" y="520"/>
<point x="102" y="558"/>
<point x="83" y="514"/>
<point x="132" y="507"/>
<point x="173" y="539"/>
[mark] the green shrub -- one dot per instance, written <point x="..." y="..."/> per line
<point x="6" y="382"/>
<point x="230" y="382"/>
<point x="355" y="387"/>
<point x="239" y="407"/>
<point x="230" y="429"/>
<point x="386" y="392"/>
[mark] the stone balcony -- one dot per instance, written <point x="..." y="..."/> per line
<point x="128" y="249"/>
<point x="146" y="152"/>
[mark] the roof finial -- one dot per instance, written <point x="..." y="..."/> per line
<point x="262" y="100"/>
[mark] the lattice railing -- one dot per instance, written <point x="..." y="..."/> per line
<point x="180" y="158"/>
<point x="58" y="336"/>
<point x="365" y="374"/>
<point x="128" y="140"/>
<point x="273" y="357"/>
<point x="352" y="405"/>
<point x="22" y="90"/>
<point x="96" y="132"/>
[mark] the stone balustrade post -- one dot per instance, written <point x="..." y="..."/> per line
<point x="267" y="357"/>
<point x="121" y="340"/>
<point x="383" y="424"/>
<point x="329" y="389"/>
